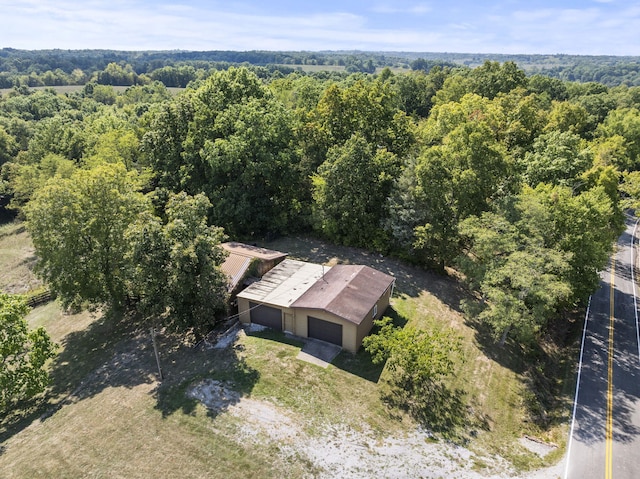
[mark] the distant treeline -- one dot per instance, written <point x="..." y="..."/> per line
<point x="177" y="68"/>
<point x="174" y="68"/>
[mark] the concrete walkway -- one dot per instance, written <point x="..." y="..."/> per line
<point x="318" y="352"/>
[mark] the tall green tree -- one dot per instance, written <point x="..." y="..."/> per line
<point x="61" y="135"/>
<point x="163" y="143"/>
<point x="554" y="88"/>
<point x="584" y="225"/>
<point x="351" y="191"/>
<point x="26" y="178"/>
<point x="568" y="117"/>
<point x="8" y="146"/>
<point x="630" y="187"/>
<point x="460" y="177"/>
<point x="78" y="225"/>
<point x="233" y="141"/>
<point x="611" y="151"/>
<point x="624" y="122"/>
<point x="558" y="158"/>
<point x="522" y="282"/>
<point x="525" y="116"/>
<point x="415" y="92"/>
<point x="23" y="354"/>
<point x="251" y="175"/>
<point x="491" y="78"/>
<point x="174" y="266"/>
<point x="365" y="108"/>
<point x="538" y="254"/>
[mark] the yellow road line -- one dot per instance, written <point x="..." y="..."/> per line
<point x="609" y="427"/>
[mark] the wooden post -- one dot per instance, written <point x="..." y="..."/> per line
<point x="155" y="350"/>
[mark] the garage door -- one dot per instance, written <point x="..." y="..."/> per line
<point x="266" y="316"/>
<point x="324" y="330"/>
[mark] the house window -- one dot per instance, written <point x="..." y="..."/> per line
<point x="375" y="310"/>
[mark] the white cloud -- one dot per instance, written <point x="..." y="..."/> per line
<point x="98" y="25"/>
<point x="134" y="25"/>
<point x="416" y="9"/>
<point x="579" y="31"/>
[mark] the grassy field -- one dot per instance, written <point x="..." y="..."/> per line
<point x="107" y="415"/>
<point x="337" y="68"/>
<point x="17" y="259"/>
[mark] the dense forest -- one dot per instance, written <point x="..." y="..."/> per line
<point x="511" y="180"/>
<point x="178" y="68"/>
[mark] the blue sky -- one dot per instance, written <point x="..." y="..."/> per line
<point x="589" y="27"/>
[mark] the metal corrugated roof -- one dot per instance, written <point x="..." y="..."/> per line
<point x="235" y="266"/>
<point x="239" y="259"/>
<point x="348" y="291"/>
<point x="252" y="251"/>
<point x="285" y="283"/>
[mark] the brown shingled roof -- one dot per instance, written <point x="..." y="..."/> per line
<point x="348" y="291"/>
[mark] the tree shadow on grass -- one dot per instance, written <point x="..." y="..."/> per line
<point x="544" y="367"/>
<point x="108" y="353"/>
<point x="359" y="364"/>
<point x="509" y="355"/>
<point x="115" y="352"/>
<point x="439" y="409"/>
<point x="111" y="352"/>
<point x="217" y="378"/>
<point x="19" y="418"/>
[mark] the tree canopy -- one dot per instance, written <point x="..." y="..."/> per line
<point x="23" y="354"/>
<point x="78" y="226"/>
<point x="422" y="164"/>
<point x="175" y="275"/>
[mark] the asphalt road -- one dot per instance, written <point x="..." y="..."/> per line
<point x="604" y="440"/>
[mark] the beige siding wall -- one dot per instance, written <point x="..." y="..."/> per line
<point x="289" y="321"/>
<point x="367" y="323"/>
<point x="243" y="310"/>
<point x="352" y="335"/>
<point x="365" y="326"/>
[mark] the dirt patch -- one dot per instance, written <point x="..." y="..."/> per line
<point x="337" y="450"/>
<point x="215" y="395"/>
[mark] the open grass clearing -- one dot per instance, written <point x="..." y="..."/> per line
<point x="17" y="258"/>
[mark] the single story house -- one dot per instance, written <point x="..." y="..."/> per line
<point x="247" y="260"/>
<point x="336" y="304"/>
